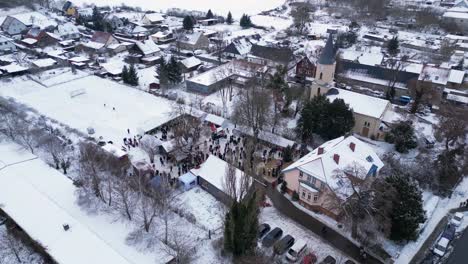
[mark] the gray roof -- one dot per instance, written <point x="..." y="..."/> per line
<point x="281" y="55"/>
<point x="328" y="54"/>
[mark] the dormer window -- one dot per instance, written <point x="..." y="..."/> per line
<point x="369" y="159"/>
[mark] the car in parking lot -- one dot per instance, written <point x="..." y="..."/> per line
<point x="297" y="250"/>
<point x="457" y="219"/>
<point x="272" y="237"/>
<point x="441" y="246"/>
<point x="282" y="246"/>
<point x="263" y="229"/>
<point x="328" y="260"/>
<point x="449" y="232"/>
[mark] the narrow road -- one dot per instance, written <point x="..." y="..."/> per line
<point x="459" y="254"/>
<point x="334" y="238"/>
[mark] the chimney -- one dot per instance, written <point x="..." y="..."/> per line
<point x="352" y="146"/>
<point x="336" y="158"/>
<point x="320" y="151"/>
<point x="66" y="227"/>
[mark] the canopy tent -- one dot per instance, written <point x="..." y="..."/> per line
<point x="188" y="181"/>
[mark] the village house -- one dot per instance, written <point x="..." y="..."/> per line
<point x="189" y="64"/>
<point x="69" y="9"/>
<point x="237" y="49"/>
<point x="270" y="56"/>
<point x="98" y="43"/>
<point x="152" y="19"/>
<point x="208" y="22"/>
<point x="16" y="25"/>
<point x="194" y="41"/>
<point x="67" y="31"/>
<point x="305" y="68"/>
<point x="42" y="37"/>
<point x="114" y="21"/>
<point x="163" y="37"/>
<point x="6" y="45"/>
<point x="147" y="51"/>
<point x="134" y="31"/>
<point x="236" y="72"/>
<point x="458" y="14"/>
<point x="316" y="177"/>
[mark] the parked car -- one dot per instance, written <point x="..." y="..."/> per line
<point x="349" y="262"/>
<point x="441" y="246"/>
<point x="271" y="237"/>
<point x="449" y="232"/>
<point x="328" y="260"/>
<point x="457" y="219"/>
<point x="283" y="245"/>
<point x="297" y="250"/>
<point x="309" y="259"/>
<point x="263" y="229"/>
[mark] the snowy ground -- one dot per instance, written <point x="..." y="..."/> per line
<point x="208" y="211"/>
<point x="108" y="107"/>
<point x="26" y="255"/>
<point x="237" y="8"/>
<point x="315" y="244"/>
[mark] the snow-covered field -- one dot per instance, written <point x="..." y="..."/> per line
<point x="237" y="8"/>
<point x="92" y="102"/>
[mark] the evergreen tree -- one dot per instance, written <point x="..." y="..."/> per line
<point x="402" y="135"/>
<point x="241" y="226"/>
<point x="229" y="19"/>
<point x="327" y="119"/>
<point x="163" y="74"/>
<point x="132" y="76"/>
<point x="174" y="71"/>
<point x="188" y="23"/>
<point x="125" y="74"/>
<point x="97" y="19"/>
<point x="245" y="21"/>
<point x="393" y="46"/>
<point x="407" y="213"/>
<point x="209" y="14"/>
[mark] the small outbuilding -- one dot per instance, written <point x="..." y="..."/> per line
<point x="187" y="181"/>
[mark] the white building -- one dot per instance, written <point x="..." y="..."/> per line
<point x="458" y="14"/>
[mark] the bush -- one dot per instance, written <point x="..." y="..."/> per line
<point x="295" y="196"/>
<point x="402" y="135"/>
<point x="287" y="154"/>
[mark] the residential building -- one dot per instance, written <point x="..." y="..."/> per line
<point x="6" y="45"/>
<point x="98" y="43"/>
<point x="67" y="31"/>
<point x="458" y="14"/>
<point x="305" y="68"/>
<point x="194" y="41"/>
<point x="163" y="37"/>
<point x="190" y="64"/>
<point x="270" y="56"/>
<point x="42" y="37"/>
<point x="152" y="19"/>
<point x="69" y="9"/>
<point x="236" y="72"/>
<point x="114" y="21"/>
<point x="147" y="51"/>
<point x="322" y="179"/>
<point x="15" y="25"/>
<point x="237" y="49"/>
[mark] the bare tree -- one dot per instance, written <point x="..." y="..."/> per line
<point x="236" y="183"/>
<point x="355" y="195"/>
<point x="58" y="150"/>
<point x="301" y="15"/>
<point x="90" y="170"/>
<point x="11" y="245"/>
<point x="28" y="136"/>
<point x="395" y="67"/>
<point x="164" y="195"/>
<point x="180" y="247"/>
<point x="452" y="128"/>
<point x="150" y="145"/>
<point x="253" y="108"/>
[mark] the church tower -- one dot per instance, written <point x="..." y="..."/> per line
<point x="325" y="72"/>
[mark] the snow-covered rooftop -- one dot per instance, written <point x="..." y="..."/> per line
<point x="213" y="170"/>
<point x="12" y="68"/>
<point x="154" y="17"/>
<point x="49" y="204"/>
<point x="434" y="74"/>
<point x="324" y="167"/>
<point x="365" y="58"/>
<point x="361" y="103"/>
<point x="35" y="18"/>
<point x="44" y="62"/>
<point x="147" y="47"/>
<point x="456" y="76"/>
<point x="191" y="62"/>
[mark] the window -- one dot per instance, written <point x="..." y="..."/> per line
<point x="309" y="178"/>
<point x="313" y="180"/>
<point x="315" y="197"/>
<point x="308" y="197"/>
<point x="321" y="75"/>
<point x="303" y="194"/>
<point x="301" y="174"/>
<point x="369" y="159"/>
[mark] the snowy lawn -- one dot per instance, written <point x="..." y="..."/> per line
<point x="208" y="211"/>
<point x="92" y="102"/>
<point x="271" y="21"/>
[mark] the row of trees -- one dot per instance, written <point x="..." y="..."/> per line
<point x="189" y="21"/>
<point x="169" y="73"/>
